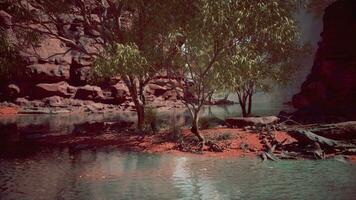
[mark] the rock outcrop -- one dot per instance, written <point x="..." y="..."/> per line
<point x="47" y="73"/>
<point x="53" y="72"/>
<point x="330" y="88"/>
<point x="62" y="89"/>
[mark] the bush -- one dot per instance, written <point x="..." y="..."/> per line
<point x="9" y="60"/>
<point x="224" y="136"/>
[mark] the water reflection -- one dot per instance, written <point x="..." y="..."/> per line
<point x="109" y="174"/>
<point x="37" y="125"/>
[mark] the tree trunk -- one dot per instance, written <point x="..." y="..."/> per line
<point x="337" y="131"/>
<point x="242" y="102"/>
<point x="195" y="129"/>
<point x="307" y="137"/>
<point x="226" y="96"/>
<point x="244" y="112"/>
<point x="210" y="98"/>
<point x="243" y="108"/>
<point x="249" y="104"/>
<point x="137" y="99"/>
<point x="140" y="110"/>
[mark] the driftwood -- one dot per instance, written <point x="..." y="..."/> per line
<point x="307" y="137"/>
<point x="314" y="141"/>
<point x="338" y="131"/>
<point x="240" y="122"/>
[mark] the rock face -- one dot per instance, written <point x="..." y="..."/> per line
<point x="89" y="92"/>
<point x="48" y="73"/>
<point x="13" y="91"/>
<point x="54" y="73"/>
<point x="62" y="89"/>
<point x="330" y="88"/>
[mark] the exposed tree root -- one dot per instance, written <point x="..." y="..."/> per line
<point x="214" y="147"/>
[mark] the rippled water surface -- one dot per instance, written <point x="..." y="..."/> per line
<point x="109" y="174"/>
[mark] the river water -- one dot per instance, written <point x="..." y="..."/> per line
<point x="30" y="173"/>
<point x="110" y="174"/>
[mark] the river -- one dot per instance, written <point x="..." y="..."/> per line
<point x="110" y="174"/>
<point x="30" y="173"/>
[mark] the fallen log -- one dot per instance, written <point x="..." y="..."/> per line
<point x="240" y="122"/>
<point x="337" y="131"/>
<point x="305" y="137"/>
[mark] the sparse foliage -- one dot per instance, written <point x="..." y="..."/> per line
<point x="235" y="45"/>
<point x="266" y="52"/>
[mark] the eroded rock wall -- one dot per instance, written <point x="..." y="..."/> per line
<point x="53" y="69"/>
<point x="330" y="88"/>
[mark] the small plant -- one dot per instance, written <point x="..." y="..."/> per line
<point x="224" y="136"/>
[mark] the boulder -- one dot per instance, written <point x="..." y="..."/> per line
<point x="119" y="92"/>
<point x="156" y="90"/>
<point x="47" y="73"/>
<point x="95" y="108"/>
<point x="23" y="102"/>
<point x="13" y="91"/>
<point x="80" y="76"/>
<point x="161" y="81"/>
<point x="240" y="122"/>
<point x="89" y="92"/>
<point x="61" y="89"/>
<point x="172" y="95"/>
<point x="54" y="101"/>
<point x="50" y="51"/>
<point x="80" y="60"/>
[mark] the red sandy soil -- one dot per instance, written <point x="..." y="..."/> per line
<point x="8" y="110"/>
<point x="158" y="144"/>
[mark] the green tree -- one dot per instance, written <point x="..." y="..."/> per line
<point x="141" y="27"/>
<point x="267" y="52"/>
<point x="8" y="60"/>
<point x="232" y="44"/>
<point x="208" y="38"/>
<point x="127" y="62"/>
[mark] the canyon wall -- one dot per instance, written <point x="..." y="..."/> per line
<point x="330" y="88"/>
<point x="54" y="74"/>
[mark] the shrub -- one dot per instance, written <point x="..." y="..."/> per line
<point x="9" y="60"/>
<point x="224" y="136"/>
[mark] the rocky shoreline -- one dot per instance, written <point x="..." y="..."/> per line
<point x="59" y="105"/>
<point x="268" y="138"/>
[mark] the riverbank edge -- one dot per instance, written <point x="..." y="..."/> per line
<point x="237" y="143"/>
